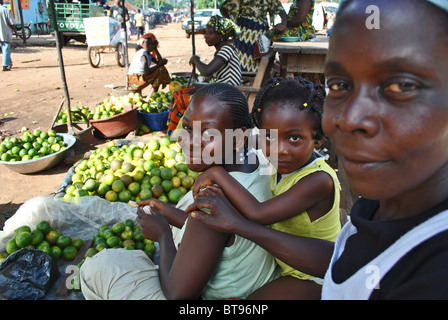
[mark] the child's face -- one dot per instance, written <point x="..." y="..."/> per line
<point x="295" y="142"/>
<point x="149" y="44"/>
<point x="387" y="110"/>
<point x="211" y="36"/>
<point x="205" y="121"/>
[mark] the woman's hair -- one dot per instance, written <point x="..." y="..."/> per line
<point x="233" y="99"/>
<point x="292" y="92"/>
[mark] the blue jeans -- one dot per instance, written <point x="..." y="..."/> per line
<point x="6" y="50"/>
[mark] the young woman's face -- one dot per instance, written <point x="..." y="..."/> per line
<point x="294" y="142"/>
<point x="204" y="124"/>
<point x="212" y="37"/>
<point x="386" y="113"/>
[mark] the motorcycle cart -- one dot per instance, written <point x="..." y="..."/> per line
<point x="104" y="35"/>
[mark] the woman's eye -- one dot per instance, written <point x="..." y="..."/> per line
<point x="401" y="87"/>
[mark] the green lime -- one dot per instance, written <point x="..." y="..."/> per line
<point x="129" y="223"/>
<point x="118" y="227"/>
<point x="44" y="226"/>
<point x="23" y="239"/>
<point x="166" y="174"/>
<point x="64" y="241"/>
<point x="56" y="252"/>
<point x="77" y="243"/>
<point x="52" y="236"/>
<point x="100" y="246"/>
<point x="22" y="229"/>
<point x="167" y="185"/>
<point x="174" y="195"/>
<point x="90" y="253"/>
<point x="37" y="237"/>
<point x="11" y="246"/>
<point x="113" y="241"/>
<point x="69" y="253"/>
<point x="124" y="195"/>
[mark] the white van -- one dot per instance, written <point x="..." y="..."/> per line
<point x="201" y="18"/>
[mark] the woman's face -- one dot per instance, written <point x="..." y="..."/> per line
<point x="203" y="138"/>
<point x="387" y="109"/>
<point x="212" y="37"/>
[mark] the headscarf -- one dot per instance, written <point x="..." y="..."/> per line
<point x="225" y="27"/>
<point x="146" y="36"/>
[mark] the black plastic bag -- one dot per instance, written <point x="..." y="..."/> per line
<point x="27" y="274"/>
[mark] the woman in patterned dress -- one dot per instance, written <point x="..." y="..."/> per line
<point x="251" y="17"/>
<point x="300" y="22"/>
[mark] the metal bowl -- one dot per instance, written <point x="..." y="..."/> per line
<point x="43" y="163"/>
<point x="290" y="39"/>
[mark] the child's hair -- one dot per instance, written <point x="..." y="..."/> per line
<point x="297" y="92"/>
<point x="233" y="99"/>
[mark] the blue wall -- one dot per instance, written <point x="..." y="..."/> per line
<point x="32" y="14"/>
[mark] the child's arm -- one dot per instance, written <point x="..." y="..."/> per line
<point x="313" y="194"/>
<point x="147" y="69"/>
<point x="309" y="255"/>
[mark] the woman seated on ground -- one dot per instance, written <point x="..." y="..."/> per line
<point x="225" y="67"/>
<point x="141" y="74"/>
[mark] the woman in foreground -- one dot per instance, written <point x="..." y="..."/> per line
<point x="386" y="115"/>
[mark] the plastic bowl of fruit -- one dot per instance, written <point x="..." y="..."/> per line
<point x="44" y="162"/>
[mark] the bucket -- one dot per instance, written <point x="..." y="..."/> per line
<point x="82" y="131"/>
<point x="155" y="121"/>
<point x="117" y="125"/>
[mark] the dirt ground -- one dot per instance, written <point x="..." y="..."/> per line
<point x="32" y="92"/>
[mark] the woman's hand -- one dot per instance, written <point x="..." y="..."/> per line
<point x="153" y="224"/>
<point x="223" y="216"/>
<point x="159" y="205"/>
<point x="194" y="60"/>
<point x="280" y="27"/>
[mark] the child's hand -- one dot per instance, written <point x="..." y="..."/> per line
<point x="204" y="180"/>
<point x="223" y="216"/>
<point x="153" y="224"/>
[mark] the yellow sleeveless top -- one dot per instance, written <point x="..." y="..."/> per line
<point x="326" y="227"/>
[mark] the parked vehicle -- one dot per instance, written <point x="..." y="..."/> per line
<point x="201" y="18"/>
<point x="69" y="17"/>
<point x="26" y="28"/>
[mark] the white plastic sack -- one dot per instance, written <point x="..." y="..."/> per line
<point x="73" y="219"/>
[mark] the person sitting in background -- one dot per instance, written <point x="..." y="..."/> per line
<point x="141" y="74"/>
<point x="225" y="66"/>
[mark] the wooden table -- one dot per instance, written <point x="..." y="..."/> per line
<point x="301" y="57"/>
